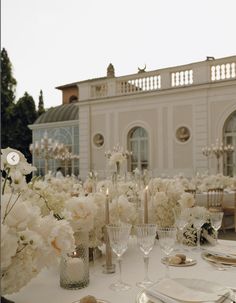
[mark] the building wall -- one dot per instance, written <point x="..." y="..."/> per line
<point x="201" y="109"/>
<point x="199" y="96"/>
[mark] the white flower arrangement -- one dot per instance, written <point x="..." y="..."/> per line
<point x="29" y="241"/>
<point x="80" y="212"/>
<point x="186" y="200"/>
<point x="117" y="157"/>
<point x="214" y="181"/>
<point x="165" y="196"/>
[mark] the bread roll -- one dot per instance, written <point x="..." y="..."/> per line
<point x="175" y="260"/>
<point x="182" y="257"/>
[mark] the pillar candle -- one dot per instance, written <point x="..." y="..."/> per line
<point x="75" y="269"/>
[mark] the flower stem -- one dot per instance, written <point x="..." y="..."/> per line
<point x="5" y="181"/>
<point x="7" y="212"/>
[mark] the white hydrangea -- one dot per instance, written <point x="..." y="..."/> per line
<point x="186" y="200"/>
<point x="122" y="209"/>
<point x="80" y="212"/>
<point x="18" y="214"/>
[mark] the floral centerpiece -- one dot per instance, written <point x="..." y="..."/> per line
<point x="29" y="240"/>
<point x="169" y="194"/>
<point x="117" y="157"/>
<point x="165" y="194"/>
<point x="214" y="181"/>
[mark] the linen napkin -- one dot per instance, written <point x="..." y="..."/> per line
<point x="173" y="291"/>
<point x="222" y="250"/>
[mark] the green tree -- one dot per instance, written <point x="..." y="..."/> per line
<point x="41" y="109"/>
<point x="8" y="86"/>
<point x="25" y="114"/>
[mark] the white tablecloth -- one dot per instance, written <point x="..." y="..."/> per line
<point x="45" y="287"/>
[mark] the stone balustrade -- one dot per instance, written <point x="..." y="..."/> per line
<point x="205" y="72"/>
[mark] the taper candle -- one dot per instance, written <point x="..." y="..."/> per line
<point x="107" y="215"/>
<point x="108" y="266"/>
<point x="146" y="205"/>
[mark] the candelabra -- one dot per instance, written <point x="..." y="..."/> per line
<point x="218" y="150"/>
<point x="49" y="149"/>
<point x="65" y="156"/>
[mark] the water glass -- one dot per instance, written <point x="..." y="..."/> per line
<point x="146" y="235"/>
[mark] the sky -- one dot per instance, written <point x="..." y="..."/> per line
<point x="56" y="42"/>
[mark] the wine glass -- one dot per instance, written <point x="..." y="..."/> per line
<point x="146" y="235"/>
<point x="167" y="237"/>
<point x="199" y="218"/>
<point x="216" y="221"/>
<point x="181" y="220"/>
<point x="119" y="235"/>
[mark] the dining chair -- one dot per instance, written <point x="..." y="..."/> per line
<point x="215" y="198"/>
<point x="231" y="211"/>
<point x="191" y="191"/>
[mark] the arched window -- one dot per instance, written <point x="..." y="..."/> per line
<point x="138" y="144"/>
<point x="73" y="99"/>
<point x="230" y="138"/>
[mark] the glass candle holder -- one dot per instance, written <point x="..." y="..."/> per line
<point x="74" y="266"/>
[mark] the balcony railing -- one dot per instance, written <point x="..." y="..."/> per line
<point x="209" y="71"/>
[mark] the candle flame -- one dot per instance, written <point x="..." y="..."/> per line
<point x="146" y="188"/>
<point x="107" y="191"/>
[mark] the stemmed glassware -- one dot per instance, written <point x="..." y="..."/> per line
<point x="181" y="220"/>
<point x="146" y="234"/>
<point x="216" y="221"/>
<point x="167" y="238"/>
<point x="199" y="218"/>
<point x="119" y="235"/>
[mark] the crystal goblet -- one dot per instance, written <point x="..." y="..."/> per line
<point x="146" y="235"/>
<point x="119" y="236"/>
<point x="167" y="238"/>
<point x="216" y="221"/>
<point x="198" y="218"/>
<point x="181" y="219"/>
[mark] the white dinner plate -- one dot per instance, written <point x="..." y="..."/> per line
<point x="188" y="262"/>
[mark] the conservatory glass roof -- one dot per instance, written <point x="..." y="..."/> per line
<point x="65" y="112"/>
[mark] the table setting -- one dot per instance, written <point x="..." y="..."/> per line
<point x="156" y="243"/>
